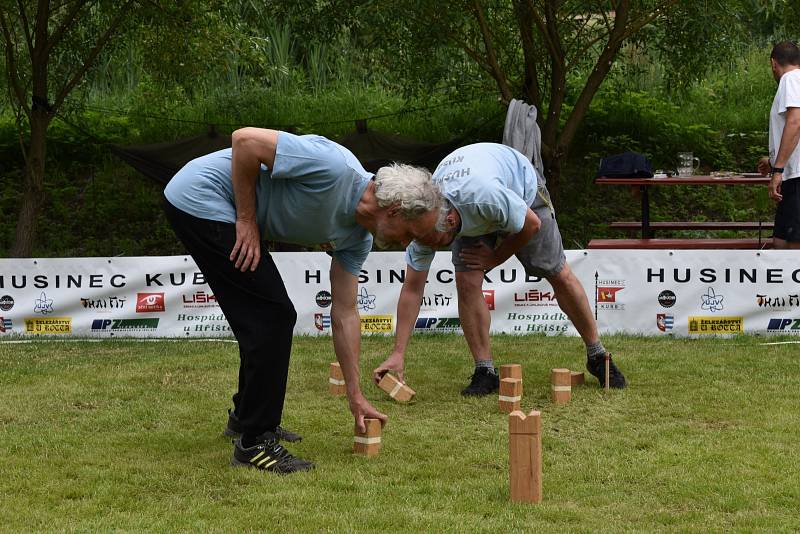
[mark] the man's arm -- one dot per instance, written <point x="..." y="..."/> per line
<point x="251" y="148"/>
<point x="484" y="258"/>
<point x="346" y="326"/>
<point x="407" y="311"/>
<point x="789" y="140"/>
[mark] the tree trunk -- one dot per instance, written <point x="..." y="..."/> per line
<point x="33" y="195"/>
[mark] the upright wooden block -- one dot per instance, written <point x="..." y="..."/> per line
<point x="396" y="389"/>
<point x="368" y="443"/>
<point x="511" y="370"/>
<point x="525" y="456"/>
<point x="336" y="384"/>
<point x="510" y="394"/>
<point x="560" y="384"/>
<point x="577" y="378"/>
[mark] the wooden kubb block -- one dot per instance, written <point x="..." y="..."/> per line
<point x="510" y="394"/>
<point x="368" y="443"/>
<point x="525" y="456"/>
<point x="561" y="387"/>
<point x="511" y="370"/>
<point x="336" y="385"/>
<point x="576" y="378"/>
<point x="396" y="389"/>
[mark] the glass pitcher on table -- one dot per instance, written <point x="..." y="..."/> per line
<point x="687" y="164"/>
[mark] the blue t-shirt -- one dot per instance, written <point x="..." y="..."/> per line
<point x="490" y="185"/>
<point x="309" y="197"/>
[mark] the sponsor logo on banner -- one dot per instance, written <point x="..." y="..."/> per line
<point x="438" y="300"/>
<point x="778" y="303"/>
<point x="5" y="325"/>
<point x="488" y="296"/>
<point x="711" y="301"/>
<point x="322" y="321"/>
<point x="150" y="302"/>
<point x="208" y="322"/>
<point x="199" y="299"/>
<point x="709" y="275"/>
<point x="43" y="304"/>
<point x="437" y="324"/>
<point x="324" y="299"/>
<point x="534" y="297"/>
<point x="716" y="325"/>
<point x="6" y="302"/>
<point x="606" y="295"/>
<point x="144" y="324"/>
<point x="364" y="300"/>
<point x="49" y="325"/>
<point x="665" y="321"/>
<point x="377" y="323"/>
<point x="784" y="326"/>
<point x="556" y="322"/>
<point x="103" y="303"/>
<point x="667" y="299"/>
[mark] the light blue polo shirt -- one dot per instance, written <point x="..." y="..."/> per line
<point x="308" y="198"/>
<point x="490" y="185"/>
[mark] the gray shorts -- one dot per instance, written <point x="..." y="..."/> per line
<point x="542" y="256"/>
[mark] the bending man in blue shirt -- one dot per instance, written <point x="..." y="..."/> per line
<point x="298" y="189"/>
<point x="493" y="191"/>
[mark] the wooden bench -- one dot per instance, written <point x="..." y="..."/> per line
<point x="738" y="244"/>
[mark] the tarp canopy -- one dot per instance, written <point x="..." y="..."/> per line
<point x="373" y="149"/>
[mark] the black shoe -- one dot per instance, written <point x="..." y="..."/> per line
<point x="597" y="366"/>
<point x="482" y="382"/>
<point x="268" y="455"/>
<point x="234" y="430"/>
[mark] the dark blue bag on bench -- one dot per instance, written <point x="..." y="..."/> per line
<point x="625" y="165"/>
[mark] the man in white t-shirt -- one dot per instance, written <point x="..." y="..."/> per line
<point x="783" y="163"/>
<point x="302" y="189"/>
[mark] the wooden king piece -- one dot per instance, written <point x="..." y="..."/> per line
<point x="336" y="384"/>
<point x="525" y="456"/>
<point x="510" y="394"/>
<point x="561" y="386"/>
<point x="511" y="370"/>
<point x="368" y="443"/>
<point x="396" y="389"/>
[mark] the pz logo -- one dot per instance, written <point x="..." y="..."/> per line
<point x="101" y="324"/>
<point x="784" y="324"/>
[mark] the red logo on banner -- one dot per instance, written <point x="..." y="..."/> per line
<point x="150" y="302"/>
<point x="607" y="294"/>
<point x="488" y="296"/>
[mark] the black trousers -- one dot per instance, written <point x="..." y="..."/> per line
<point x="258" y="310"/>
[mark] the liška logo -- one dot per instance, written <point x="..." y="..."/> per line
<point x="199" y="299"/>
<point x="322" y="321"/>
<point x="535" y="297"/>
<point x="784" y="326"/>
<point x="43" y="305"/>
<point x="364" y="300"/>
<point x="711" y="301"/>
<point x="6" y="302"/>
<point x="150" y="302"/>
<point x="488" y="296"/>
<point x="667" y="298"/>
<point x="664" y="321"/>
<point x="324" y="299"/>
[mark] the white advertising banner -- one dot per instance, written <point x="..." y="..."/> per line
<point x="682" y="292"/>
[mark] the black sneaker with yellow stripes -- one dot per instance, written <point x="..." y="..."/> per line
<point x="268" y="455"/>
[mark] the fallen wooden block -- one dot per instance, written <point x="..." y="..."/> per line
<point x="336" y="385"/>
<point x="576" y="378"/>
<point x="525" y="456"/>
<point x="560" y="383"/>
<point x="396" y="389"/>
<point x="510" y="394"/>
<point x="511" y="370"/>
<point x="368" y="443"/>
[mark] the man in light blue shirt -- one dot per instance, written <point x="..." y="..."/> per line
<point x="298" y="189"/>
<point x="494" y="192"/>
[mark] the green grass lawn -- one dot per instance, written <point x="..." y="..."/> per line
<point x="120" y="435"/>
